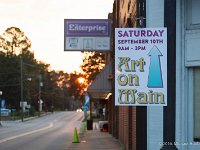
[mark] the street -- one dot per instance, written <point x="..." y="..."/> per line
<point x="51" y="132"/>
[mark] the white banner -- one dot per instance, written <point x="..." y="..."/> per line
<point x="141" y="66"/>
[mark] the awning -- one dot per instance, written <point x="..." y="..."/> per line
<point x="102" y="85"/>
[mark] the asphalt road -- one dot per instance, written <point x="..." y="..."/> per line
<point x="51" y="132"/>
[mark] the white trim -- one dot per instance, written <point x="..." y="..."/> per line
<point x="180" y="126"/>
<point x="181" y="80"/>
<point x="190" y="108"/>
<point x="155" y="18"/>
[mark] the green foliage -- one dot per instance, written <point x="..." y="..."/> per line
<point x="59" y="91"/>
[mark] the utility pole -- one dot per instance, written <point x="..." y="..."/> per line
<point x="22" y="89"/>
<point x="39" y="95"/>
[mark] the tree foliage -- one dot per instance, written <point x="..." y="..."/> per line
<point x="93" y="63"/>
<point x="15" y="41"/>
<point x="14" y="47"/>
<point x="59" y="88"/>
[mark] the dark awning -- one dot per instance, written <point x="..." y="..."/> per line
<point x="101" y="86"/>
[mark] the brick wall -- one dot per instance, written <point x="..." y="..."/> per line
<point x="133" y="126"/>
<point x="124" y="117"/>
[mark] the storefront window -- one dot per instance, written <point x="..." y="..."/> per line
<point x="197" y="104"/>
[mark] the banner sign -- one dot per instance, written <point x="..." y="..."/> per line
<point x="87" y="34"/>
<point x="141" y="66"/>
<point x="2" y="103"/>
<point x="87" y="102"/>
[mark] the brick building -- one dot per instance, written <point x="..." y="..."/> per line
<point x="176" y="126"/>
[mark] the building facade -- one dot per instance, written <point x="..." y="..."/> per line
<point x="128" y="123"/>
<point x="176" y="126"/>
<point x="185" y="125"/>
<point x="188" y="74"/>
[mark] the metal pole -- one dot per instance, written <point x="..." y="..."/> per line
<point x="22" y="89"/>
<point x="0" y="116"/>
<point x="141" y="111"/>
<point x="169" y="116"/>
<point x="39" y="96"/>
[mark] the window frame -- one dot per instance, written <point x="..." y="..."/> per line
<point x="184" y="82"/>
<point x="192" y="145"/>
<point x="189" y="25"/>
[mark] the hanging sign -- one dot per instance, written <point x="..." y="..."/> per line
<point x="87" y="34"/>
<point x="141" y="66"/>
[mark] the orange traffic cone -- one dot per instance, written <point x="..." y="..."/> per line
<point x="76" y="139"/>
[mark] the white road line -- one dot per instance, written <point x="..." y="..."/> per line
<point x="25" y="134"/>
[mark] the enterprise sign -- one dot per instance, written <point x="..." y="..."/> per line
<point x="87" y="34"/>
<point x="88" y="29"/>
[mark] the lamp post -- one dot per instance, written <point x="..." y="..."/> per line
<point x="0" y="108"/>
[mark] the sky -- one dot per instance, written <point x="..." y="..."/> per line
<point x="42" y="21"/>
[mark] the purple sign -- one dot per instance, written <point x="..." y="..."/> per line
<point x="87" y="27"/>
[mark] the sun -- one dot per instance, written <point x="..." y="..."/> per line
<point x="81" y="80"/>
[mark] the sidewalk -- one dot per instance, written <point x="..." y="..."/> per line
<point x="96" y="140"/>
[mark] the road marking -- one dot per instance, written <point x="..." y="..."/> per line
<point x="25" y="134"/>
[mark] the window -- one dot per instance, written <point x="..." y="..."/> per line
<point x="141" y="13"/>
<point x="193" y="19"/>
<point x="192" y="33"/>
<point x="196" y="87"/>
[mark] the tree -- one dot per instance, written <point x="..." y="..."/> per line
<point x="15" y="46"/>
<point x="15" y="41"/>
<point x="10" y="78"/>
<point x="57" y="87"/>
<point x="2" y="44"/>
<point x="93" y="63"/>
